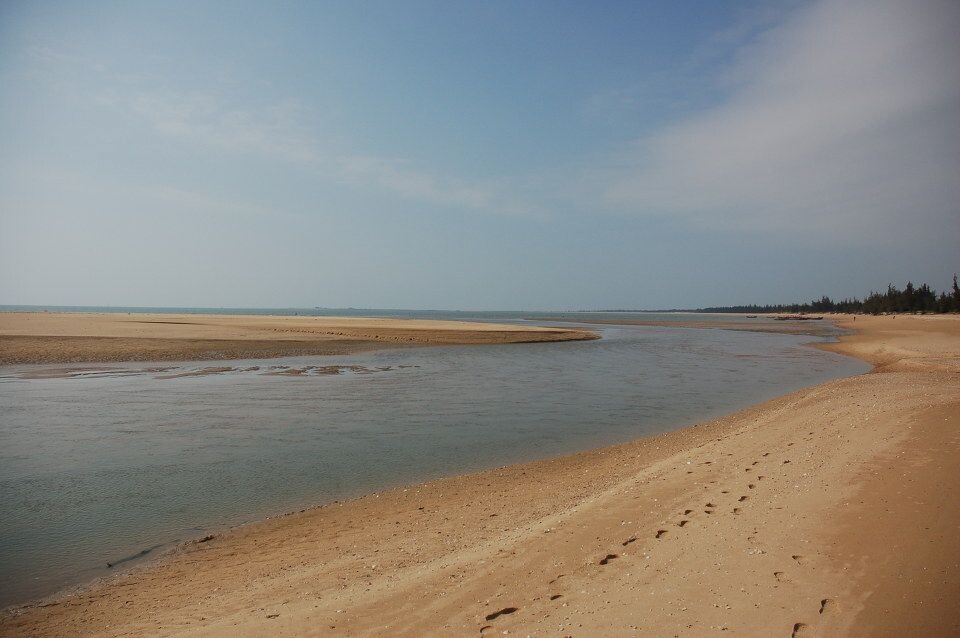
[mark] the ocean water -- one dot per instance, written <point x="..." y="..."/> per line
<point x="118" y="462"/>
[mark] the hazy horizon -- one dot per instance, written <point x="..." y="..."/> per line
<point x="490" y="156"/>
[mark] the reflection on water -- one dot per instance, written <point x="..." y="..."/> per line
<point x="98" y="467"/>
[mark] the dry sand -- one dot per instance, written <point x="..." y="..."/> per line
<point x="41" y="337"/>
<point x="833" y="511"/>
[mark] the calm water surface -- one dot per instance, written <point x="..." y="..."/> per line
<point x="98" y="468"/>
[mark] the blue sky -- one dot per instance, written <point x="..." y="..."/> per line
<point x="476" y="155"/>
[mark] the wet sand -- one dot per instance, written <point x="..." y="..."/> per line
<point x="41" y="337"/>
<point x="832" y="511"/>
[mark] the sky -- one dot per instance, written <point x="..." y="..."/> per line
<point x="476" y="155"/>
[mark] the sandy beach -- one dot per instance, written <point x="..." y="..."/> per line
<point x="47" y="337"/>
<point x="832" y="511"/>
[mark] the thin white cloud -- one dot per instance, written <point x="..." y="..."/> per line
<point x="277" y="132"/>
<point x="203" y="119"/>
<point x="398" y="176"/>
<point x="844" y="119"/>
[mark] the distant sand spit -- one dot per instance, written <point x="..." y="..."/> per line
<point x="832" y="511"/>
<point x="40" y="337"/>
<point x="923" y="343"/>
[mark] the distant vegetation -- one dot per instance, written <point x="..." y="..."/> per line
<point x="912" y="298"/>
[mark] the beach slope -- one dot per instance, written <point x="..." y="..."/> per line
<point x="833" y="511"/>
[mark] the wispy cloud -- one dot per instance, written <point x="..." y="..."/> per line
<point x="204" y="119"/>
<point x="278" y="132"/>
<point x="842" y="119"/>
<point x="400" y="177"/>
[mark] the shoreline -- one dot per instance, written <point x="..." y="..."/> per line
<point x="578" y="499"/>
<point x="28" y="338"/>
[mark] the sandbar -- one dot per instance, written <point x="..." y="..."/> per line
<point x="68" y="337"/>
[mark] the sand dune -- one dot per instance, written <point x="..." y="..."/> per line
<point x="832" y="511"/>
<point x="39" y="337"/>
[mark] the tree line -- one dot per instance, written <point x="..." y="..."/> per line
<point x="911" y="299"/>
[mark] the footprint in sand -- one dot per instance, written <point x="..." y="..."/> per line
<point x="555" y="596"/>
<point x="800" y="559"/>
<point x="827" y="607"/>
<point x="800" y="630"/>
<point x="606" y="559"/>
<point x="736" y="510"/>
<point x="751" y="486"/>
<point x="687" y="512"/>
<point x="742" y="499"/>
<point x="660" y="532"/>
<point x="628" y="541"/>
<point x="781" y="577"/>
<point x="503" y="612"/>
